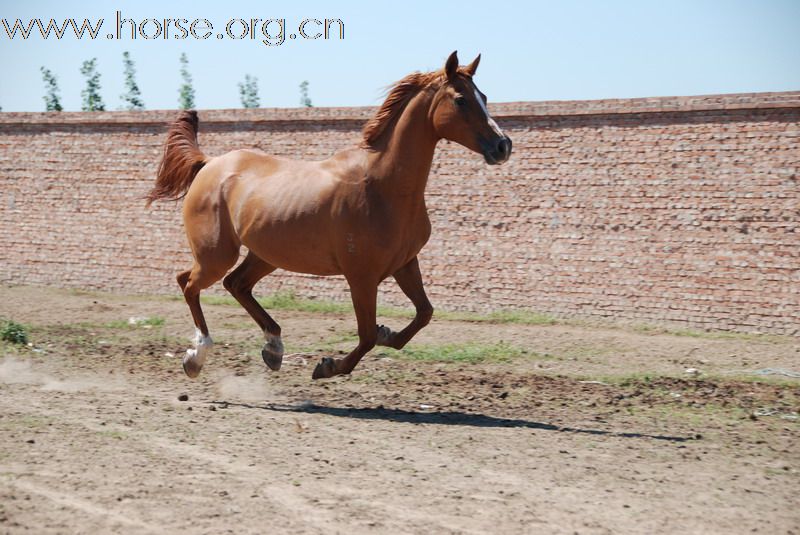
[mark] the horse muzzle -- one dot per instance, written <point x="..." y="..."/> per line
<point x="497" y="152"/>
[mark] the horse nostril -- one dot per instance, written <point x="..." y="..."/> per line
<point x="503" y="147"/>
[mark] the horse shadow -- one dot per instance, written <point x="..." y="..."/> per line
<point x="444" y="418"/>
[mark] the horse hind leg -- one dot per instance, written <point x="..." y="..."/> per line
<point x="215" y="247"/>
<point x="240" y="283"/>
<point x="192" y="282"/>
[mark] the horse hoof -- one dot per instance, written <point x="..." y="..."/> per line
<point x="272" y="353"/>
<point x="194" y="359"/>
<point x="325" y="369"/>
<point x="384" y="334"/>
<point x="191" y="367"/>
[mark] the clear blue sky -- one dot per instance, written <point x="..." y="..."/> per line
<point x="532" y="50"/>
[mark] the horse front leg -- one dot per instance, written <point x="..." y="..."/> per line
<point x="409" y="279"/>
<point x="364" y="295"/>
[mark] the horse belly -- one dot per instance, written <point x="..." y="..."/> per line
<point x="284" y="224"/>
<point x="292" y="252"/>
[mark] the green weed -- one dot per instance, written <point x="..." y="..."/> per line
<point x="14" y="332"/>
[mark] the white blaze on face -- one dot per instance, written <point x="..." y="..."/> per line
<point x="489" y="119"/>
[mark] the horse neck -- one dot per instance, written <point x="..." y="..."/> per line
<point x="402" y="164"/>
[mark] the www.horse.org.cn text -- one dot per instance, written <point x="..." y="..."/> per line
<point x="269" y="31"/>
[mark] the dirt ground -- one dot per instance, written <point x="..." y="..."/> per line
<point x="584" y="430"/>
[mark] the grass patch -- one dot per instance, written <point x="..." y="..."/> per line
<point x="7" y="349"/>
<point x="14" y="332"/>
<point x="637" y="379"/>
<point x="90" y="341"/>
<point x="634" y="379"/>
<point x="152" y="321"/>
<point x="84" y="293"/>
<point x="781" y="471"/>
<point x="334" y="342"/>
<point x="285" y="301"/>
<point x="291" y="301"/>
<point x="111" y="433"/>
<point x="710" y="335"/>
<point x="744" y="377"/>
<point x="25" y="422"/>
<point x="520" y="317"/>
<point x="470" y="353"/>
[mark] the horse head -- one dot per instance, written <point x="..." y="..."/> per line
<point x="459" y="114"/>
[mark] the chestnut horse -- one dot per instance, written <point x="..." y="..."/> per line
<point x="361" y="213"/>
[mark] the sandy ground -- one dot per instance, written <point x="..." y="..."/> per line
<point x="588" y="430"/>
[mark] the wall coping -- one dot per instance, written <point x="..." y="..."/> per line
<point x="736" y="101"/>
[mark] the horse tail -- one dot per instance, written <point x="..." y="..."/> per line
<point x="181" y="162"/>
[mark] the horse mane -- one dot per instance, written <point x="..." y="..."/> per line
<point x="398" y="96"/>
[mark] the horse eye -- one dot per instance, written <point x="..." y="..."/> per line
<point x="460" y="100"/>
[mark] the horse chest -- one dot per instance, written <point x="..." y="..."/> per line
<point x="393" y="246"/>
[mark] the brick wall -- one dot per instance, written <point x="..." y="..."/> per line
<point x="679" y="211"/>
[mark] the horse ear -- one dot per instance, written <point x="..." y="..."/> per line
<point x="451" y="66"/>
<point x="472" y="67"/>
